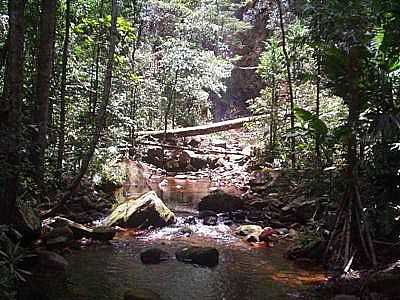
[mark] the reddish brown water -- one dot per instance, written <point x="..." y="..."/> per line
<point x="244" y="271"/>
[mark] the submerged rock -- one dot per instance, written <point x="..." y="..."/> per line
<point x="203" y="256"/>
<point x="141" y="294"/>
<point x="153" y="256"/>
<point x="148" y="210"/>
<point x="220" y="201"/>
<point x="51" y="261"/>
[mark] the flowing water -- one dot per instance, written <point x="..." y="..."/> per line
<point x="105" y="272"/>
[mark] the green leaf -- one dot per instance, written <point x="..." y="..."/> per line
<point x="303" y="115"/>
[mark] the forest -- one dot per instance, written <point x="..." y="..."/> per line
<point x="199" y="149"/>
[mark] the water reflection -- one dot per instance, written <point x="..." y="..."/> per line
<point x="244" y="271"/>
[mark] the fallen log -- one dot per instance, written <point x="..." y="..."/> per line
<point x="201" y="130"/>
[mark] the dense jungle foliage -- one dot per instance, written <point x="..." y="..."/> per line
<point x="79" y="78"/>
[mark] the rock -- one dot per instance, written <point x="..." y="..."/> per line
<point x="197" y="161"/>
<point x="255" y="216"/>
<point x="28" y="224"/>
<point x="154" y="156"/>
<point x="51" y="260"/>
<point x="141" y="294"/>
<point x="218" y="143"/>
<point x="252" y="238"/>
<point x="195" y="142"/>
<point x="303" y="210"/>
<point x="313" y="250"/>
<point x="82" y="218"/>
<point x="87" y="203"/>
<point x="190" y="220"/>
<point x="246" y="230"/>
<point x="282" y="231"/>
<point x="186" y="231"/>
<point x="203" y="256"/>
<point x="153" y="256"/>
<point x="148" y="210"/>
<point x="220" y="201"/>
<point x="292" y="233"/>
<point x="210" y="220"/>
<point x="102" y="233"/>
<point x="239" y="216"/>
<point x="58" y="237"/>
<point x="206" y="213"/>
<point x="267" y="235"/>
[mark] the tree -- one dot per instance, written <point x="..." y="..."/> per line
<point x="101" y="117"/>
<point x="10" y="113"/>
<point x="44" y="73"/>
<point x="61" y="137"/>
<point x="289" y="82"/>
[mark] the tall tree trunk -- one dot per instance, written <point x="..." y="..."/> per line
<point x="10" y="113"/>
<point x="61" y="138"/>
<point x="289" y="78"/>
<point x="317" y="108"/>
<point x="45" y="59"/>
<point x="101" y="117"/>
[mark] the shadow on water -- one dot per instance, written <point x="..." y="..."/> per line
<point x="244" y="271"/>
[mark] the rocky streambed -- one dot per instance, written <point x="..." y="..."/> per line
<point x="237" y="270"/>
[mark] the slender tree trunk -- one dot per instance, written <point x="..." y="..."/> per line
<point x="45" y="58"/>
<point x="289" y="78"/>
<point x="272" y="124"/>
<point x="10" y="113"/>
<point x="61" y="138"/>
<point x="101" y="117"/>
<point x="318" y="90"/>
<point x="96" y="83"/>
<point x="317" y="108"/>
<point x="170" y="100"/>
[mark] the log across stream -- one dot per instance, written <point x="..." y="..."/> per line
<point x="105" y="272"/>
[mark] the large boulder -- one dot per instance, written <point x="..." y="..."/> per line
<point x="220" y="201"/>
<point x="202" y="256"/>
<point x="148" y="210"/>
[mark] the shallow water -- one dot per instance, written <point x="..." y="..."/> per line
<point x="105" y="272"/>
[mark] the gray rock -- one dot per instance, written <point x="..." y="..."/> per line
<point x="148" y="210"/>
<point x="203" y="256"/>
<point x="220" y="201"/>
<point x="153" y="256"/>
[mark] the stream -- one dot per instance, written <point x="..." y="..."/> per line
<point x="105" y="272"/>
